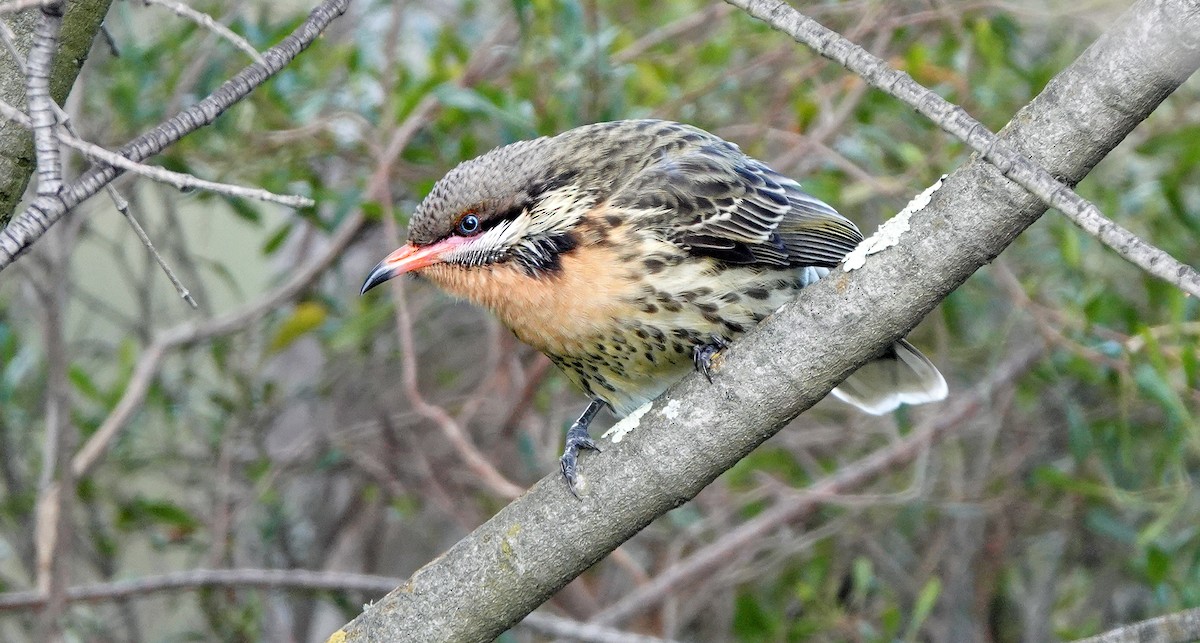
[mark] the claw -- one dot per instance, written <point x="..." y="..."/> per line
<point x="702" y="354"/>
<point x="570" y="457"/>
<point x="578" y="439"/>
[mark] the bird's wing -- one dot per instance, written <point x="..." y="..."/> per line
<point x="730" y="207"/>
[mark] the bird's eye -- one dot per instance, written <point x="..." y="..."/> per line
<point x="467" y="226"/>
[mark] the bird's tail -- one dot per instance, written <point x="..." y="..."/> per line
<point x="901" y="376"/>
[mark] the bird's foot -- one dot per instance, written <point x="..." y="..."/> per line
<point x="577" y="439"/>
<point x="702" y="354"/>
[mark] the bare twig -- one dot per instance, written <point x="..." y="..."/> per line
<point x="206" y="21"/>
<point x="52" y="534"/>
<point x="180" y="180"/>
<point x="573" y="630"/>
<point x="294" y="579"/>
<point x="488" y="475"/>
<point x="41" y="112"/>
<point x="46" y="210"/>
<point x="955" y="121"/>
<point x="8" y="39"/>
<point x="199" y="578"/>
<point x="123" y="207"/>
<point x="712" y="15"/>
<point x="70" y="137"/>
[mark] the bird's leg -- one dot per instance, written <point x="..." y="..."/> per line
<point x="578" y="438"/>
<point x="702" y="354"/>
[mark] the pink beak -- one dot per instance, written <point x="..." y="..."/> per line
<point x="409" y="258"/>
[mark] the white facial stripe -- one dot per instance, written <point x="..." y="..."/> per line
<point x="557" y="212"/>
<point x="485" y="248"/>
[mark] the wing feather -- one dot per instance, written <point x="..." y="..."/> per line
<point x="714" y="201"/>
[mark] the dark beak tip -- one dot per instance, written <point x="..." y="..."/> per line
<point x="379" y="274"/>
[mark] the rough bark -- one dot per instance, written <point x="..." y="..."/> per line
<point x="534" y="546"/>
<point x="80" y="25"/>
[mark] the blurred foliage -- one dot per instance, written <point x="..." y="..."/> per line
<point x="1063" y="507"/>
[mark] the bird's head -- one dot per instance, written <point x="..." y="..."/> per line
<point x="517" y="206"/>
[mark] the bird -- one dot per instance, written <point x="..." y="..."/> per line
<point x="630" y="253"/>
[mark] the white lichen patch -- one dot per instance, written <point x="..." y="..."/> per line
<point x="671" y="410"/>
<point x="889" y="233"/>
<point x="631" y="421"/>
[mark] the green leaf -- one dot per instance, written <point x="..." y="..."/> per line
<point x="372" y="210"/>
<point x="277" y="238"/>
<point x="141" y="511"/>
<point x="1158" y="565"/>
<point x="307" y="316"/>
<point x="245" y="210"/>
<point x="923" y="607"/>
<point x="83" y="382"/>
<point x="750" y="621"/>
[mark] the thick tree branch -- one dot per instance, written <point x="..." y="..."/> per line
<point x="79" y="26"/>
<point x="1180" y="627"/>
<point x="47" y="209"/>
<point x="697" y="430"/>
<point x="845" y="479"/>
<point x="956" y="121"/>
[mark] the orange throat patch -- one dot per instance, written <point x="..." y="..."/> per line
<point x="559" y="312"/>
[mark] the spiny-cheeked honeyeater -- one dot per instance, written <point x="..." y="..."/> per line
<point x="629" y="252"/>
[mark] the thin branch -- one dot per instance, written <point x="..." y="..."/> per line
<point x="206" y="21"/>
<point x="294" y="579"/>
<point x="847" y="478"/>
<point x="488" y="475"/>
<point x="8" y="39"/>
<point x="41" y="112"/>
<point x="573" y="630"/>
<point x="52" y="530"/>
<point x="123" y="207"/>
<point x="200" y="578"/>
<point x="955" y="121"/>
<point x="1179" y="627"/>
<point x="708" y="17"/>
<point x="185" y="334"/>
<point x="46" y="210"/>
<point x="179" y="180"/>
<point x="13" y="114"/>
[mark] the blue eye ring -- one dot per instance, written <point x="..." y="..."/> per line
<point x="467" y="226"/>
